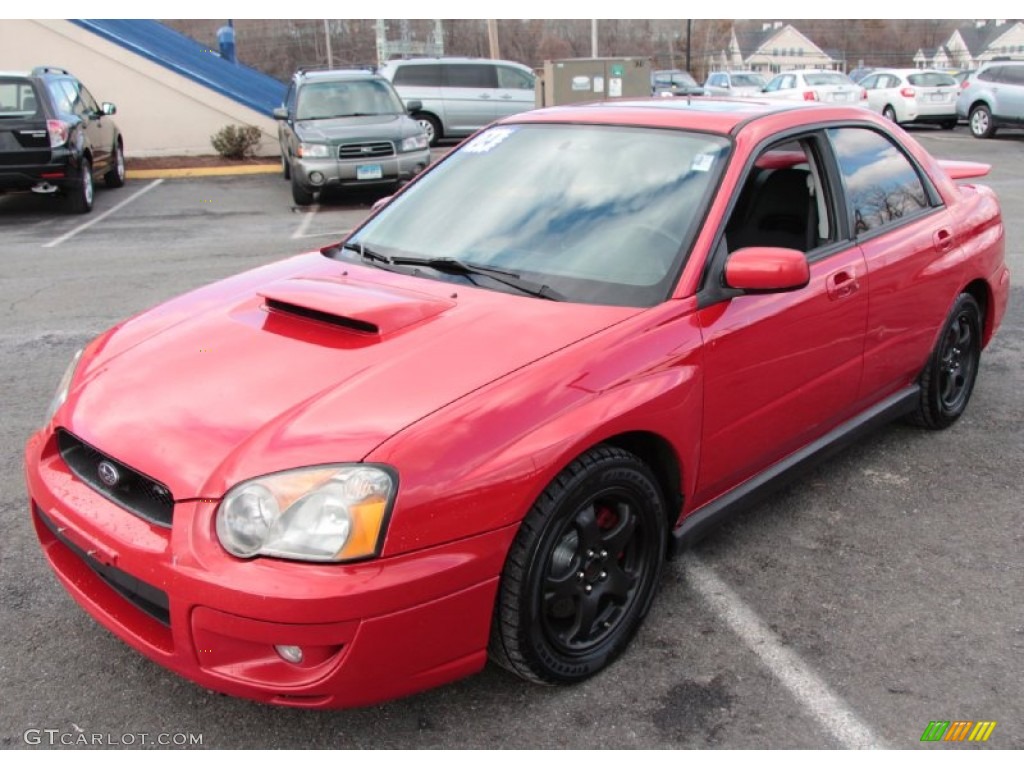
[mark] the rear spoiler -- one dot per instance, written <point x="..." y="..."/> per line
<point x="962" y="169"/>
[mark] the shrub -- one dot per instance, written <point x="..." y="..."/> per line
<point x="236" y="141"/>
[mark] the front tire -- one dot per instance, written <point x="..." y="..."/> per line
<point x="889" y="114"/>
<point x="948" y="380"/>
<point x="431" y="126"/>
<point x="300" y="194"/>
<point x="981" y="123"/>
<point x="582" y="571"/>
<point x="286" y="167"/>
<point x="80" y="194"/>
<point x="114" y="178"/>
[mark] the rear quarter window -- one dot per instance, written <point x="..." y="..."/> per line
<point x="1013" y="75"/>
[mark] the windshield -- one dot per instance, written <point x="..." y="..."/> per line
<point x="17" y="99"/>
<point x="747" y="81"/>
<point x="828" y="78"/>
<point x="599" y="214"/>
<point x="345" y="99"/>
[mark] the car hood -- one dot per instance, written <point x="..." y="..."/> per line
<point x="305" y="362"/>
<point x="351" y="128"/>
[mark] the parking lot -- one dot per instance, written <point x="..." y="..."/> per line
<point x="879" y="593"/>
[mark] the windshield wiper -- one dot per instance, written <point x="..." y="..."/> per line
<point x="503" y="276"/>
<point x="368" y="254"/>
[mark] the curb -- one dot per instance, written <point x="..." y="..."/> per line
<point x="220" y="170"/>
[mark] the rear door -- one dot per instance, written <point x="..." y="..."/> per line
<point x="908" y="238"/>
<point x="469" y="96"/>
<point x="23" y="136"/>
<point x="1010" y="97"/>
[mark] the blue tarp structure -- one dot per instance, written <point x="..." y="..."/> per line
<point x="179" y="53"/>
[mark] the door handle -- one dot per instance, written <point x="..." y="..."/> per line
<point x="841" y="284"/>
<point x="485" y="95"/>
<point x="943" y="240"/>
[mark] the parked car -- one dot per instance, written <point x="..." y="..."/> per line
<point x="481" y="423"/>
<point x="856" y="75"/>
<point x="459" y="96"/>
<point x="674" y="82"/>
<point x="993" y="98"/>
<point x="734" y="84"/>
<point x="346" y="128"/>
<point x="55" y="138"/>
<point x="813" y="85"/>
<point x="912" y="96"/>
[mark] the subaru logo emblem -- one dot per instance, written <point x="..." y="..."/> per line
<point x="366" y="150"/>
<point x="108" y="473"/>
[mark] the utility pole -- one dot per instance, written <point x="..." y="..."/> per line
<point x="327" y="37"/>
<point x="593" y="38"/>
<point x="689" y="29"/>
<point x="492" y="38"/>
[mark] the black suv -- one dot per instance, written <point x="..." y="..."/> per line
<point x="55" y="138"/>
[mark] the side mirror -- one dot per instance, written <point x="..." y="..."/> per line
<point x="108" y="109"/>
<point x="280" y="113"/>
<point x="413" y="106"/>
<point x="767" y="270"/>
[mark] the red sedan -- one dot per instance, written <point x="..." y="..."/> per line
<point x="479" y="425"/>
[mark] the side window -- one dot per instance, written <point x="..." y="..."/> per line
<point x="1013" y="75"/>
<point x="881" y="184"/>
<point x="289" y="98"/>
<point x="990" y="75"/>
<point x="514" y="78"/>
<point x="87" y="99"/>
<point x="774" y="84"/>
<point x="428" y="75"/>
<point x="784" y="201"/>
<point x="61" y="96"/>
<point x="471" y="76"/>
<point x="788" y="82"/>
<point x="870" y="83"/>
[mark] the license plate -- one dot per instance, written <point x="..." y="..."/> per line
<point x="367" y="172"/>
<point x="938" y="97"/>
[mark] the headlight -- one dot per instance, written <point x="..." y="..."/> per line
<point x="324" y="514"/>
<point x="314" y="150"/>
<point x="415" y="142"/>
<point x="62" y="388"/>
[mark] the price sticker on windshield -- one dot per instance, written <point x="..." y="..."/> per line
<point x="485" y="142"/>
<point x="702" y="163"/>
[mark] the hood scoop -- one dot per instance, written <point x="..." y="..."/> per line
<point x="359" y="307"/>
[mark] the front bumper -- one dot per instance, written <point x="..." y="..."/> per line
<point x="369" y="631"/>
<point x="319" y="173"/>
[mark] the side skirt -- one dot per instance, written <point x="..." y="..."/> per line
<point x="702" y="521"/>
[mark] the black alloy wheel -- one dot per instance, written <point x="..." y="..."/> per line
<point x="582" y="571"/>
<point x="948" y="381"/>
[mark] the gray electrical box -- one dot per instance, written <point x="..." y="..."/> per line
<point x="570" y="81"/>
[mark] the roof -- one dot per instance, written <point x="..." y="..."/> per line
<point x="750" y="37"/>
<point x="339" y="74"/>
<point x="978" y="39"/>
<point x="717" y="115"/>
<point x="189" y="58"/>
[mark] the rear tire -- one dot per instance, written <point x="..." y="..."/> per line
<point x="582" y="571"/>
<point x="948" y="380"/>
<point x="115" y="176"/>
<point x="300" y="194"/>
<point x="889" y="114"/>
<point x="286" y="167"/>
<point x="80" y="194"/>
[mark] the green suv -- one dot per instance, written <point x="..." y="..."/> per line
<point x="347" y="128"/>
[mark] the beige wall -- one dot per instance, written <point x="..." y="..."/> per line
<point x="159" y="112"/>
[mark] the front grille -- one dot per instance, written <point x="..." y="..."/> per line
<point x="366" y="149"/>
<point x="130" y="489"/>
<point x="147" y="598"/>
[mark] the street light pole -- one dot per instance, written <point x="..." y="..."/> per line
<point x="593" y="38"/>
<point x="327" y="37"/>
<point x="689" y="29"/>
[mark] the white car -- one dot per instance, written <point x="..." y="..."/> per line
<point x="813" y="85"/>
<point x="912" y="96"/>
<point x="734" y="84"/>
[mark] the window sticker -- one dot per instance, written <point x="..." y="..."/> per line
<point x="485" y="142"/>
<point x="702" y="162"/>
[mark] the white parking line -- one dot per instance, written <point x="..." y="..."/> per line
<point x="102" y="216"/>
<point x="306" y="221"/>
<point x="828" y="709"/>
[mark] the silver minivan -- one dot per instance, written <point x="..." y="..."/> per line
<point x="459" y="96"/>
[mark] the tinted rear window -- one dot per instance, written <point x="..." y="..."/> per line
<point x="423" y="75"/>
<point x="931" y="79"/>
<point x="17" y="98"/>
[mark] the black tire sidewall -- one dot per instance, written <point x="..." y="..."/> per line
<point x="938" y="412"/>
<point x="551" y="664"/>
